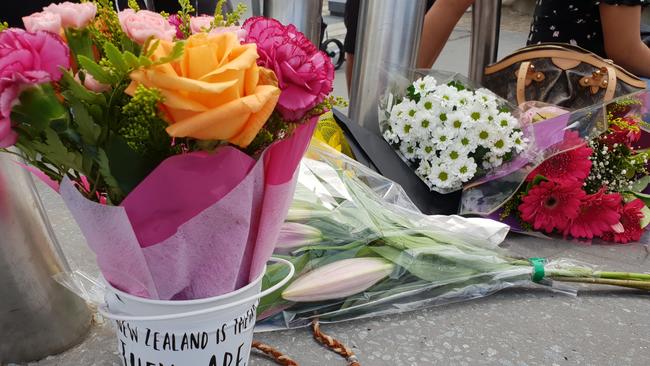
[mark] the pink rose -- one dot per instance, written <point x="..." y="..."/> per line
<point x="305" y="74"/>
<point x="141" y="25"/>
<point x="92" y="84"/>
<point x="73" y="15"/>
<point x="26" y="59"/>
<point x="44" y="21"/>
<point x="204" y="22"/>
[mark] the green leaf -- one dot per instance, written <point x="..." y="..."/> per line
<point x="274" y="274"/>
<point x="642" y="196"/>
<point x="645" y="221"/>
<point x="88" y="129"/>
<point x="115" y="192"/>
<point x="127" y="166"/>
<point x="53" y="150"/>
<point x="144" y="61"/>
<point x="641" y="184"/>
<point x="37" y="109"/>
<point x="98" y="72"/>
<point x="176" y="53"/>
<point x="80" y="43"/>
<point x="131" y="60"/>
<point x="80" y="92"/>
<point x="116" y="58"/>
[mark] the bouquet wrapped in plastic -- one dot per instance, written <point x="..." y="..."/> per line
<point x="361" y="248"/>
<point x="173" y="140"/>
<point x="585" y="178"/>
<point x="449" y="131"/>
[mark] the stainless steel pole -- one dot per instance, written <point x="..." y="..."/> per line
<point x="38" y="317"/>
<point x="304" y="14"/>
<point x="388" y="38"/>
<point x="486" y="21"/>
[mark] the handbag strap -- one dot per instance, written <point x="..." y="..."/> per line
<point x="521" y="82"/>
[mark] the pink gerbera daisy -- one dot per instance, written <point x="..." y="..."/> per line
<point x="550" y="205"/>
<point x="570" y="166"/>
<point x="597" y="214"/>
<point x="630" y="223"/>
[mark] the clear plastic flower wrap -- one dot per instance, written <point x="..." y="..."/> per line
<point x="589" y="156"/>
<point x="362" y="249"/>
<point x="449" y="130"/>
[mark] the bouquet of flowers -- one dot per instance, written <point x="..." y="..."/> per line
<point x="361" y="249"/>
<point x="591" y="180"/>
<point x="173" y="140"/>
<point x="449" y="133"/>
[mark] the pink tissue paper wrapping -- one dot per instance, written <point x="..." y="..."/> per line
<point x="200" y="225"/>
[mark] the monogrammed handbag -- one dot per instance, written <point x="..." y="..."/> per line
<point x="560" y="74"/>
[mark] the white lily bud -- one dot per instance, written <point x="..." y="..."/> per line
<point x="338" y="280"/>
<point x="294" y="235"/>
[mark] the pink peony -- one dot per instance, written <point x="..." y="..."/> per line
<point x="630" y="223"/>
<point x="141" y="25"/>
<point x="597" y="214"/>
<point x="43" y="21"/>
<point x="550" y="205"/>
<point x="26" y="59"/>
<point x="204" y="22"/>
<point x="73" y="15"/>
<point x="305" y="74"/>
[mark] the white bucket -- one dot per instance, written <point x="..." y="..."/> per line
<point x="208" y="332"/>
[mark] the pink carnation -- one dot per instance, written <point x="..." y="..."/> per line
<point x="26" y="59"/>
<point x="176" y="22"/>
<point x="305" y="74"/>
<point x="73" y="15"/>
<point x="204" y="22"/>
<point x="141" y="25"/>
<point x="43" y="21"/>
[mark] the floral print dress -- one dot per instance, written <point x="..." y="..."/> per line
<point x="572" y="21"/>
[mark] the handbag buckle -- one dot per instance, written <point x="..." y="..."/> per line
<point x="533" y="75"/>
<point x="597" y="81"/>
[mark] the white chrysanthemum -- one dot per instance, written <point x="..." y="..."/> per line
<point x="466" y="140"/>
<point x="486" y="99"/>
<point x="492" y="161"/>
<point x="427" y="150"/>
<point x="424" y="169"/>
<point x="408" y="149"/>
<point x="453" y="155"/>
<point x="484" y="134"/>
<point x="423" y="124"/>
<point x="506" y="121"/>
<point x="476" y="114"/>
<point x="447" y="96"/>
<point x="442" y="177"/>
<point x="442" y="137"/>
<point x="430" y="102"/>
<point x="457" y="121"/>
<point x="425" y="85"/>
<point x="391" y="136"/>
<point x="519" y="142"/>
<point x="502" y="144"/>
<point x="466" y="169"/>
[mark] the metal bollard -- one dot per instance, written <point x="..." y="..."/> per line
<point x="304" y="14"/>
<point x="387" y="41"/>
<point x="486" y="20"/>
<point x="38" y="317"/>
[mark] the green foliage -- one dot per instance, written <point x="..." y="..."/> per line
<point x="3" y="26"/>
<point x="133" y="4"/>
<point x="457" y="84"/>
<point x="185" y="14"/>
<point x="106" y="28"/>
<point x="411" y="94"/>
<point x="80" y="43"/>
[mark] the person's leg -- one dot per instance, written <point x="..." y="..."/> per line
<point x="349" y="67"/>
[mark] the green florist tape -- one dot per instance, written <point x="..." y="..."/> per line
<point x="538" y="269"/>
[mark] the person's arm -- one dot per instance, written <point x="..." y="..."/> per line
<point x="438" y="25"/>
<point x="621" y="32"/>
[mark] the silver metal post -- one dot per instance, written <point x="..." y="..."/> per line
<point x="304" y="14"/>
<point x="38" y="317"/>
<point x="486" y="20"/>
<point x="388" y="38"/>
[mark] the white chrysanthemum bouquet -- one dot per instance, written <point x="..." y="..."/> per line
<point x="449" y="133"/>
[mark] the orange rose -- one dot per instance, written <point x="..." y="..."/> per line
<point x="215" y="91"/>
